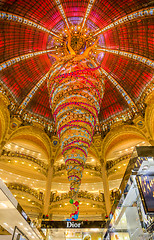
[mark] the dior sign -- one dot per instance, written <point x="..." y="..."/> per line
<point x="73" y="225"/>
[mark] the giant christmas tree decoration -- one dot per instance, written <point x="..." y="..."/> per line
<point x="75" y="87"/>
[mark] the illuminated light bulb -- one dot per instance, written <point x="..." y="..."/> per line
<point x="4" y="205"/>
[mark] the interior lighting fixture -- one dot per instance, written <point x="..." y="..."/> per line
<point x="4" y="205"/>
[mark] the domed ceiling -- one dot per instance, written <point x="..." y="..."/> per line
<point x="32" y="32"/>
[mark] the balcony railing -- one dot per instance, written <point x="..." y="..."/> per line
<point x="43" y="167"/>
<point x="23" y="188"/>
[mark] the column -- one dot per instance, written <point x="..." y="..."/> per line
<point x="48" y="189"/>
<point x="106" y="189"/>
<point x="1" y="146"/>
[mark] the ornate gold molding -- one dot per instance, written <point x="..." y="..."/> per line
<point x="33" y="133"/>
<point x="4" y="117"/>
<point x="149" y="119"/>
<point x="119" y="131"/>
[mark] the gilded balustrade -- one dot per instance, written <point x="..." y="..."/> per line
<point x="42" y="165"/>
<point x="23" y="188"/>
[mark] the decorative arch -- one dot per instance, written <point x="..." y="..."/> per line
<point x="4" y="117"/>
<point x="119" y="136"/>
<point x="35" y="136"/>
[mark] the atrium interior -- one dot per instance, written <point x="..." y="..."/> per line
<point x="76" y="100"/>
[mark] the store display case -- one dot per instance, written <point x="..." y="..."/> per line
<point x="132" y="216"/>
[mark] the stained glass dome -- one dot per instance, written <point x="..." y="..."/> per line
<point x="32" y="31"/>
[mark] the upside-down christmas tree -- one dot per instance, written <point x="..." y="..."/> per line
<point x="76" y="88"/>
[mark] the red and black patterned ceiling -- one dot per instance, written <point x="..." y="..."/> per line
<point x="31" y="30"/>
